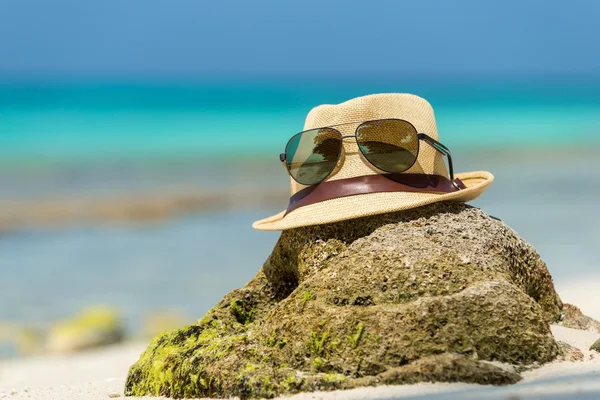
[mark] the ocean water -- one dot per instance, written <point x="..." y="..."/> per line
<point x="540" y="139"/>
<point x="82" y="136"/>
<point x="109" y="120"/>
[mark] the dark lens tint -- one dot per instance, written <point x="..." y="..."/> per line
<point x="392" y="145"/>
<point x="312" y="155"/>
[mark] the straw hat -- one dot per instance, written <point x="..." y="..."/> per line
<point x="352" y="164"/>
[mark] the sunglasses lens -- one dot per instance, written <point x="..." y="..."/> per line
<point x="391" y="145"/>
<point x="312" y="155"/>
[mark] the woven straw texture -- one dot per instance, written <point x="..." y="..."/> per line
<point x="409" y="107"/>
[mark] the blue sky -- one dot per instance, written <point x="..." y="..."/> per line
<point x="308" y="37"/>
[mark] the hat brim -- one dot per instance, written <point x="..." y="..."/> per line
<point x="363" y="205"/>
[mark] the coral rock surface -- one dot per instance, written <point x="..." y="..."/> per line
<point x="430" y="294"/>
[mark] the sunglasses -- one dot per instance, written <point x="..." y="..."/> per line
<point x="390" y="145"/>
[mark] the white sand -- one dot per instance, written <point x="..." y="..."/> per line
<point x="100" y="373"/>
<point x="87" y="375"/>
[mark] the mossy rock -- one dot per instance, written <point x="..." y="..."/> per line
<point x="573" y="318"/>
<point x="596" y="346"/>
<point x="430" y="294"/>
<point x="569" y="353"/>
<point x="92" y="327"/>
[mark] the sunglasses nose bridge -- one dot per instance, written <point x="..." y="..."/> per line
<point x="349" y="142"/>
<point x="349" y="146"/>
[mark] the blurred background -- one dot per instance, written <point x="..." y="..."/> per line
<point x="139" y="140"/>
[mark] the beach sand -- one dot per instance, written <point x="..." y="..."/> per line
<point x="100" y="374"/>
<point x="141" y="206"/>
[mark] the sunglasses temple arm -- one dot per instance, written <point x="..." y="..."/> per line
<point x="282" y="159"/>
<point x="442" y="149"/>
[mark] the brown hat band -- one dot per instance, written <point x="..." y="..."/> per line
<point x="420" y="183"/>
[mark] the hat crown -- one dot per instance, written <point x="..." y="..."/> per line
<point x="411" y="108"/>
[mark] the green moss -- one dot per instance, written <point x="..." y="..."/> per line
<point x="317" y="343"/>
<point x="92" y="327"/>
<point x="307" y="296"/>
<point x="241" y="311"/>
<point x="293" y="383"/>
<point x="167" y="370"/>
<point x="355" y="339"/>
<point x="273" y="342"/>
<point x="250" y="367"/>
<point x="319" y="364"/>
<point x="92" y="318"/>
<point x="269" y="389"/>
<point x="377" y="339"/>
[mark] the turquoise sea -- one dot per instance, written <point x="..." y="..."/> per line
<point x="87" y="136"/>
<point x="93" y="121"/>
<point x="67" y="138"/>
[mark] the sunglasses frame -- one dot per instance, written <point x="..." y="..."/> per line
<point x="420" y="136"/>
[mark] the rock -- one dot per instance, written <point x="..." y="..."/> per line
<point x="6" y="331"/>
<point x="573" y="318"/>
<point x="430" y="294"/>
<point x="93" y="327"/>
<point x="28" y="341"/>
<point x="570" y="353"/>
<point x="441" y="368"/>
<point x="596" y="346"/>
